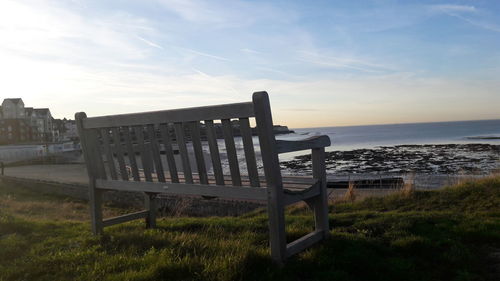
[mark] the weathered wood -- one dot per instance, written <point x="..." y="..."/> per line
<point x="150" y="205"/>
<point x="288" y="181"/>
<point x="246" y="135"/>
<point x="169" y="152"/>
<point x="234" y="166"/>
<point x="214" y="152"/>
<point x="234" y="192"/>
<point x="144" y="153"/>
<point x="155" y="151"/>
<point x="292" y="197"/>
<point x="215" y="112"/>
<point x="320" y="203"/>
<point x="109" y="153"/>
<point x="284" y="146"/>
<point x="181" y="143"/>
<point x="131" y="154"/>
<point x="272" y="171"/>
<point x="99" y="172"/>
<point x="303" y="243"/>
<point x="125" y="218"/>
<point x="146" y="159"/>
<point x="290" y="184"/>
<point x="119" y="153"/>
<point x="198" y="151"/>
<point x="95" y="153"/>
<point x="90" y="154"/>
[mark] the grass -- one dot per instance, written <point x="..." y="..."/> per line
<point x="449" y="234"/>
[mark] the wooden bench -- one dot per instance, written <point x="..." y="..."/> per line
<point x="123" y="152"/>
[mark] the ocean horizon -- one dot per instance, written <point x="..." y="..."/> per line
<point x="371" y="136"/>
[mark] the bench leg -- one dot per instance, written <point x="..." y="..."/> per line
<point x="150" y="205"/>
<point x="95" y="198"/>
<point x="277" y="236"/>
<point x="319" y="203"/>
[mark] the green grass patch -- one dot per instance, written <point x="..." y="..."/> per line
<point x="429" y="235"/>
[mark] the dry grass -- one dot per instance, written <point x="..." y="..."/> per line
<point x="408" y="188"/>
<point x="53" y="210"/>
<point x="180" y="208"/>
<point x="46" y="209"/>
<point x="351" y="193"/>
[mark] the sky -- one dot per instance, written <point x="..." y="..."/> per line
<point x="323" y="63"/>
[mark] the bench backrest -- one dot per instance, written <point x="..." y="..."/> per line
<point x="130" y="138"/>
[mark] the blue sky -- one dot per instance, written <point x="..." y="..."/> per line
<point x="324" y="63"/>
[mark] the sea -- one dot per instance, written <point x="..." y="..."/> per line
<point x="371" y="136"/>
<point x="345" y="138"/>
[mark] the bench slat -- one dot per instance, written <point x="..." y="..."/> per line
<point x="231" y="152"/>
<point x="144" y="152"/>
<point x="169" y="152"/>
<point x="109" y="153"/>
<point x="198" y="151"/>
<point x="97" y="169"/>
<point x="292" y="184"/>
<point x="125" y="218"/>
<point x="233" y="192"/>
<point x="119" y="153"/>
<point x="215" y="112"/>
<point x="246" y="134"/>
<point x="303" y="243"/>
<point x="284" y="146"/>
<point x="214" y="152"/>
<point x="155" y="150"/>
<point x="181" y="143"/>
<point x="131" y="153"/>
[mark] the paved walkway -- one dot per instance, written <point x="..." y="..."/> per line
<point x="77" y="174"/>
<point x="60" y="173"/>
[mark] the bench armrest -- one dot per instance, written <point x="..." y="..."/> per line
<point x="284" y="146"/>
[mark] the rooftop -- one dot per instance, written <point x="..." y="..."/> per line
<point x="14" y="100"/>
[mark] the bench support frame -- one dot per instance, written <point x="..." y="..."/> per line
<point x="276" y="196"/>
<point x="280" y="250"/>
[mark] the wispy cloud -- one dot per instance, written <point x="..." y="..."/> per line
<point x="149" y="43"/>
<point x="459" y="11"/>
<point x="348" y="62"/>
<point x="235" y="13"/>
<point x="481" y="24"/>
<point x="452" y="8"/>
<point x="250" y="51"/>
<point x="203" y="54"/>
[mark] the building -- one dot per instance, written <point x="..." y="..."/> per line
<point x="15" y="131"/>
<point x="25" y="124"/>
<point x="13" y="109"/>
<point x="44" y="124"/>
<point x="70" y="130"/>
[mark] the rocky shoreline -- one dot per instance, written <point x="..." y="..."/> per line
<point x="473" y="158"/>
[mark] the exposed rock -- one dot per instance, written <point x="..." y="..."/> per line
<point x="430" y="158"/>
